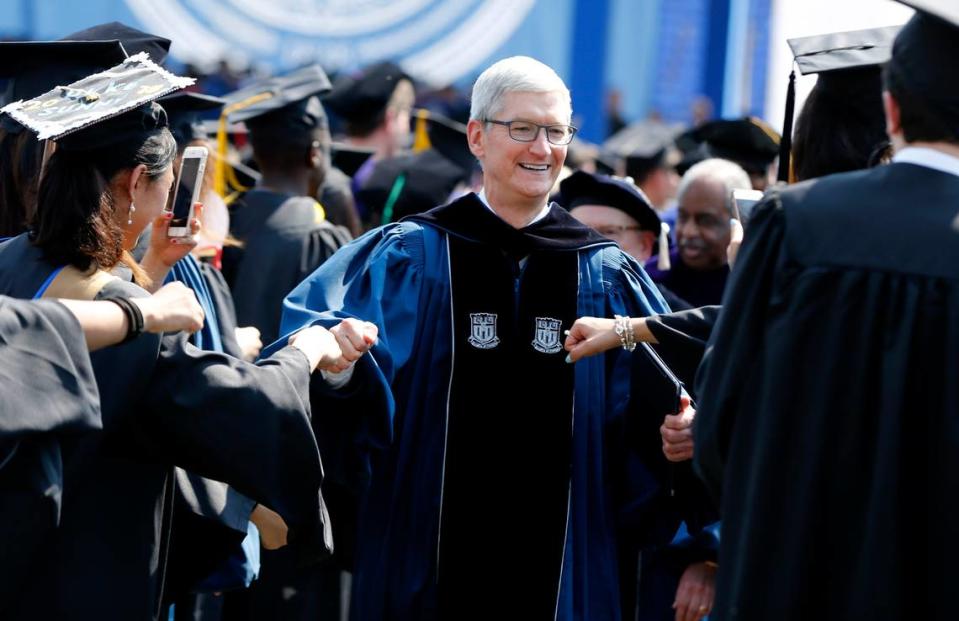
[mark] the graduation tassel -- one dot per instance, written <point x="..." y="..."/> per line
<point x="785" y="144"/>
<point x="662" y="262"/>
<point x="222" y="170"/>
<point x="421" y="139"/>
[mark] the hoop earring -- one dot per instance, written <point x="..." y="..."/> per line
<point x="130" y="216"/>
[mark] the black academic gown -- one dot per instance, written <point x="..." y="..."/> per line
<point x="829" y="412"/>
<point x="49" y="392"/>
<point x="283" y="242"/>
<point x="163" y="402"/>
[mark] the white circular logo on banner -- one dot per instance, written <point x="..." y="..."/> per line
<point x="437" y="41"/>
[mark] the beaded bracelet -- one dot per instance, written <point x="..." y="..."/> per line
<point x="624" y="331"/>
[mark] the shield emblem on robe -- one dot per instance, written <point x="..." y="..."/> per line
<point x="547" y="335"/>
<point x="483" y="330"/>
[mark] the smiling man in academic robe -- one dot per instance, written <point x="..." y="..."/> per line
<point x="484" y="462"/>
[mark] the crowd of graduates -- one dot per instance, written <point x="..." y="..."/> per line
<point x="425" y="358"/>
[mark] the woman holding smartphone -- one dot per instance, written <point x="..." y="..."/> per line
<point x="163" y="401"/>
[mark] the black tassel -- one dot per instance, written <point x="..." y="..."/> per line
<point x="786" y="143"/>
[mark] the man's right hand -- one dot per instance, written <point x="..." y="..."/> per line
<point x="677" y="432"/>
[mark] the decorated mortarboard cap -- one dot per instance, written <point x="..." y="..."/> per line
<point x="103" y="109"/>
<point x="847" y="63"/>
<point x="750" y="142"/>
<point x="284" y="102"/>
<point x="583" y="188"/>
<point x="924" y="54"/>
<point x="134" y="41"/>
<point x="184" y="111"/>
<point x="360" y="98"/>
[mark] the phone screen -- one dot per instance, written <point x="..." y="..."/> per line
<point x="183" y="192"/>
<point x="743" y="202"/>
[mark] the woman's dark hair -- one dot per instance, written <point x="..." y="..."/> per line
<point x="841" y="125"/>
<point x="20" y="157"/>
<point x="920" y="119"/>
<point x="75" y="221"/>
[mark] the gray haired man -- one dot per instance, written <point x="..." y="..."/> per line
<point x="485" y="462"/>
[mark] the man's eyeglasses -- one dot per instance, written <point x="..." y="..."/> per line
<point x="525" y="131"/>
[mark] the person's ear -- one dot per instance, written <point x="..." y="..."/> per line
<point x="138" y="178"/>
<point x="476" y="137"/>
<point x="893" y="115"/>
<point x="314" y="155"/>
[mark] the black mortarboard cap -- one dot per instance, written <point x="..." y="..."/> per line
<point x="583" y="188"/>
<point x="845" y="61"/>
<point x="449" y="138"/>
<point x="103" y="109"/>
<point x="925" y="52"/>
<point x="750" y="142"/>
<point x="349" y="159"/>
<point x="287" y="102"/>
<point x="134" y="41"/>
<point x="359" y="98"/>
<point x="184" y="110"/>
<point x="407" y="184"/>
<point x="644" y="147"/>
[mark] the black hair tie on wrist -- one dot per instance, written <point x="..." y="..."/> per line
<point x="135" y="323"/>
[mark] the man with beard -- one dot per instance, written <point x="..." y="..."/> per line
<point x="699" y="266"/>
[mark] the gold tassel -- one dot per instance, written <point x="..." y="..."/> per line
<point x="421" y="138"/>
<point x="223" y="172"/>
<point x="663" y="261"/>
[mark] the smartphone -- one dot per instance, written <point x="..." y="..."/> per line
<point x="743" y="203"/>
<point x="186" y="190"/>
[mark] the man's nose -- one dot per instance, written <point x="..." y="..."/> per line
<point x="540" y="145"/>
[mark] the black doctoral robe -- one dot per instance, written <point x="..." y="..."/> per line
<point x="49" y="391"/>
<point x="163" y="402"/>
<point x="283" y="242"/>
<point x="829" y="402"/>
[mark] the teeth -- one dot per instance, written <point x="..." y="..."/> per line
<point x="542" y="167"/>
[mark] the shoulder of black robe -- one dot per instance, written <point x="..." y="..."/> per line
<point x="468" y="218"/>
<point x="336" y="197"/>
<point x="829" y="390"/>
<point x="48" y="383"/>
<point x="283" y="243"/>
<point x="682" y="337"/>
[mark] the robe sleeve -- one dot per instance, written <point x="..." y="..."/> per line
<point x="48" y="382"/>
<point x="376" y="278"/>
<point x="682" y="337"/>
<point x="244" y="424"/>
<point x="731" y="354"/>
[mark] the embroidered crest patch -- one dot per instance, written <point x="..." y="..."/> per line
<point x="483" y="330"/>
<point x="547" y="335"/>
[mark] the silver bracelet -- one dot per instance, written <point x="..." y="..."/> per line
<point x="624" y="331"/>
